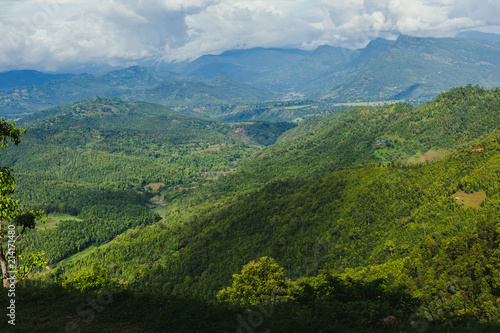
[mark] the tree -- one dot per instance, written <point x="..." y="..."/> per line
<point x="88" y="280"/>
<point x="13" y="223"/>
<point x="259" y="282"/>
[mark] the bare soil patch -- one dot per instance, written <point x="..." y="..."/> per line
<point x="430" y="155"/>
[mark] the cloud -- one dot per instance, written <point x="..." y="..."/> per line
<point x="240" y="24"/>
<point x="55" y="34"/>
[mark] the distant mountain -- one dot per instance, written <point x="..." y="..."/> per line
<point x="277" y="70"/>
<point x="17" y="102"/>
<point x="409" y="69"/>
<point x="248" y="66"/>
<point x="243" y="65"/>
<point x="479" y="35"/>
<point x="417" y="69"/>
<point x="146" y="84"/>
<point x="19" y="78"/>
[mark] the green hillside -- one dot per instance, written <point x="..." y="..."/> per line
<point x="103" y="159"/>
<point x="302" y="210"/>
<point x="398" y="132"/>
<point x="402" y="222"/>
<point x="354" y="217"/>
<point x="352" y="205"/>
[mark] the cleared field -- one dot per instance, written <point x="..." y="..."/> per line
<point x="154" y="186"/>
<point x="470" y="200"/>
<point x="430" y="155"/>
<point x="54" y="218"/>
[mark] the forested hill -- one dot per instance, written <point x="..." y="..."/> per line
<point x="298" y="198"/>
<point x="101" y="160"/>
<point x="398" y="132"/>
<point x="350" y="218"/>
<point x="118" y="144"/>
<point x="307" y="201"/>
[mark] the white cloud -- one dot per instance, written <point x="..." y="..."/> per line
<point x="50" y="34"/>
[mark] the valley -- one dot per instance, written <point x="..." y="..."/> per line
<point x="371" y="204"/>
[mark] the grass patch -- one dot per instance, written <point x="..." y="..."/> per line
<point x="470" y="200"/>
<point x="154" y="186"/>
<point x="54" y="218"/>
<point x="428" y="156"/>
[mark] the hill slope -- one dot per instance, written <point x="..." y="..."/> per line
<point x="309" y="216"/>
<point x="101" y="160"/>
<point x="398" y="132"/>
<point x="350" y="218"/>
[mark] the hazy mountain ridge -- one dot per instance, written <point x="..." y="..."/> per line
<point x="417" y="69"/>
<point x="409" y="69"/>
<point x="133" y="83"/>
<point x="23" y="78"/>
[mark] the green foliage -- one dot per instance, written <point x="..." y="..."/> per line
<point x="11" y="217"/>
<point x="331" y="304"/>
<point x="88" y="280"/>
<point x="353" y="217"/>
<point x="8" y="209"/>
<point x="93" y="159"/>
<point x="29" y="262"/>
<point x="7" y="130"/>
<point x="458" y="278"/>
<point x="302" y="202"/>
<point x="260" y="282"/>
<point x="320" y="145"/>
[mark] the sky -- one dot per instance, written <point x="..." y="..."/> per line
<point x="61" y="35"/>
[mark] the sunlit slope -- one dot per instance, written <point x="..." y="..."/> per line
<point x="102" y="159"/>
<point x="352" y="217"/>
<point x="396" y="132"/>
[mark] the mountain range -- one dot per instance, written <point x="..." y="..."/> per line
<point x="409" y="69"/>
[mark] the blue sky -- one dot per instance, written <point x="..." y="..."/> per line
<point x="52" y="35"/>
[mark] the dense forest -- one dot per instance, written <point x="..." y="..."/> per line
<point x="101" y="161"/>
<point x="376" y="218"/>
